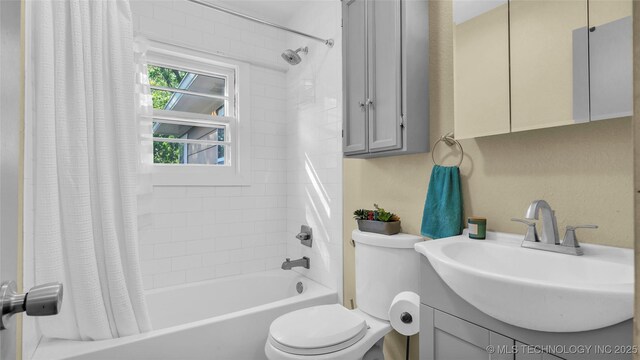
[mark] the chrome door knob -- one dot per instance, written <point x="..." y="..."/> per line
<point x="44" y="300"/>
<point x="41" y="300"/>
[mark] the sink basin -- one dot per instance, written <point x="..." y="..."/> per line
<point x="536" y="289"/>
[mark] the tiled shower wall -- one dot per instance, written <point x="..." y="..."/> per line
<point x="314" y="152"/>
<point x="201" y="233"/>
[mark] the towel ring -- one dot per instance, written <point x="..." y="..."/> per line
<point x="449" y="140"/>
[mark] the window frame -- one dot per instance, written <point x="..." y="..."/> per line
<point x="238" y="127"/>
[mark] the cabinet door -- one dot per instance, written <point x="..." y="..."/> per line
<point x="549" y="79"/>
<point x="481" y="68"/>
<point x="446" y="337"/>
<point x="611" y="69"/>
<point x="355" y="76"/>
<point x="384" y="100"/>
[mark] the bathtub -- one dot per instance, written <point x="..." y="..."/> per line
<point x="222" y="319"/>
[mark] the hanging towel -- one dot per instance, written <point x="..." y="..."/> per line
<point x="442" y="216"/>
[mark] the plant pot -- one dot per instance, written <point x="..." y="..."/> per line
<point x="379" y="227"/>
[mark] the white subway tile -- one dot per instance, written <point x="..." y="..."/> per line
<point x="169" y="279"/>
<point x="146" y="252"/>
<point x="168" y="15"/>
<point x="199" y="24"/>
<point x="187" y="36"/>
<point x="200" y="274"/>
<point x="169" y="250"/>
<point x="200" y="246"/>
<point x="186" y="204"/>
<point x="215" y="258"/>
<point x="188" y="233"/>
<point x="253" y="266"/>
<point x="169" y="191"/>
<point x="154" y="27"/>
<point x="228" y="191"/>
<point x="240" y="255"/>
<point x="228" y="216"/>
<point x="155" y="236"/>
<point x="147" y="282"/>
<point x="186" y="262"/>
<point x="250" y="38"/>
<point x="152" y="267"/>
<point x="227" y="243"/>
<point x="169" y="220"/>
<point x="241" y="203"/>
<point x="224" y="270"/>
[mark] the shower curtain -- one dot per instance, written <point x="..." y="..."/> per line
<point x="85" y="166"/>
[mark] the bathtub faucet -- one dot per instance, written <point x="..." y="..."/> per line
<point x="289" y="264"/>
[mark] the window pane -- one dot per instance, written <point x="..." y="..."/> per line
<point x="179" y="79"/>
<point x="205" y="154"/>
<point x="184" y="131"/>
<point x="168" y="153"/>
<point x="188" y="153"/>
<point x="169" y="100"/>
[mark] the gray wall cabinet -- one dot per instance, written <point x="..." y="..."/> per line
<point x="385" y="63"/>
<point x="453" y="329"/>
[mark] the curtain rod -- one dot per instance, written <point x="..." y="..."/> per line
<point x="328" y="42"/>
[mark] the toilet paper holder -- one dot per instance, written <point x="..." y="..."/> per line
<point x="406" y="318"/>
<point x="404" y="313"/>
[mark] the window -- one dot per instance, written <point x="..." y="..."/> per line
<point x="200" y="136"/>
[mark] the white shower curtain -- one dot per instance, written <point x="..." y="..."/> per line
<point x="85" y="161"/>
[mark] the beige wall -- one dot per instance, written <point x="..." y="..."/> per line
<point x="584" y="171"/>
<point x="636" y="133"/>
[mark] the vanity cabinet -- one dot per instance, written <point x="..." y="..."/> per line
<point x="451" y="329"/>
<point x="385" y="61"/>
<point x="448" y="337"/>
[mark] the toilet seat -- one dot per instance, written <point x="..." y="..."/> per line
<point x="317" y="330"/>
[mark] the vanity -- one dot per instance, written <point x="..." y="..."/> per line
<point x="494" y="299"/>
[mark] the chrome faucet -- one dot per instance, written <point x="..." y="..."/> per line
<point x="289" y="264"/>
<point x="549" y="240"/>
<point x="549" y="224"/>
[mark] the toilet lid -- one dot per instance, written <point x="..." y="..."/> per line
<point x="317" y="330"/>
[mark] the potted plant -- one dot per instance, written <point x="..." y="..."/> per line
<point x="377" y="221"/>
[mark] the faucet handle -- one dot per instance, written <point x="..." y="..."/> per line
<point x="570" y="239"/>
<point x="532" y="233"/>
<point x="573" y="227"/>
<point x="530" y="223"/>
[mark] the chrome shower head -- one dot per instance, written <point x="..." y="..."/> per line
<point x="292" y="57"/>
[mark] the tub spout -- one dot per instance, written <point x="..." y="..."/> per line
<point x="289" y="264"/>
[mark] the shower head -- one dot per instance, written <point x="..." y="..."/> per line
<point x="292" y="57"/>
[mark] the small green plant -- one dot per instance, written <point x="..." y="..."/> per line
<point x="379" y="214"/>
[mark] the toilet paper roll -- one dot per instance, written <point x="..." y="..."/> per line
<point x="404" y="313"/>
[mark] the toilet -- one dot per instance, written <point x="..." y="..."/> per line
<point x="385" y="266"/>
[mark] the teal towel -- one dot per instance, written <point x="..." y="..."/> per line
<point x="442" y="216"/>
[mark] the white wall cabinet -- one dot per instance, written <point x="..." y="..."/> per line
<point x="385" y="61"/>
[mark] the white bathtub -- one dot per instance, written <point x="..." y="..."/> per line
<point x="223" y="319"/>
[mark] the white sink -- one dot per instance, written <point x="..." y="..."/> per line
<point x="536" y="289"/>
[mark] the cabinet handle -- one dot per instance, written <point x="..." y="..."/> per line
<point x="369" y="102"/>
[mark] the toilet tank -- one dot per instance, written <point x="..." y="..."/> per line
<point x="385" y="266"/>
